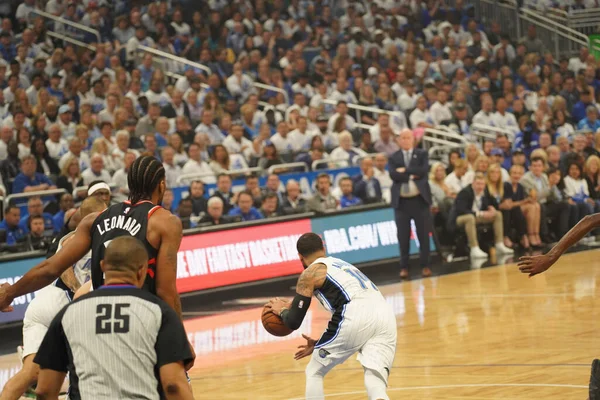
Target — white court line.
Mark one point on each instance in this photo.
(482, 385)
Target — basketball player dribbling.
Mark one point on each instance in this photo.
(362, 321)
(46, 304)
(140, 217)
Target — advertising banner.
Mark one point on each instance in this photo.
(10, 272)
(307, 181)
(363, 237)
(215, 259)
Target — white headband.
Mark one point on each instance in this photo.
(98, 186)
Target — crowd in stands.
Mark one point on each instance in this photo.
(72, 115)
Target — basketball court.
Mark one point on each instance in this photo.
(488, 333)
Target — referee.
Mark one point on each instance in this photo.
(117, 342)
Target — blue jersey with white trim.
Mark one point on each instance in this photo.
(344, 283)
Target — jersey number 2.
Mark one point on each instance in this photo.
(109, 322)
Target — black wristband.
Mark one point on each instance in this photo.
(293, 317)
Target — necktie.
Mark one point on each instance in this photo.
(405, 189)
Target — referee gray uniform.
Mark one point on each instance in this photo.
(113, 342)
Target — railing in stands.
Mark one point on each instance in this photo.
(172, 57)
(71, 40)
(182, 179)
(79, 189)
(41, 193)
(556, 37)
(273, 88)
(63, 21)
(359, 108)
(287, 166)
(175, 76)
(584, 21)
(490, 132)
(338, 164)
(245, 171)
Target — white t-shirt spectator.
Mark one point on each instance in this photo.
(418, 116)
(440, 112)
(407, 102)
(161, 98)
(199, 168)
(506, 121)
(89, 176)
(575, 65)
(239, 87)
(347, 96)
(84, 160)
(283, 145)
(56, 150)
(457, 184)
(235, 147)
(484, 118)
(299, 141)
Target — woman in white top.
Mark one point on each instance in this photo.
(420, 117)
(346, 151)
(563, 128)
(24, 140)
(100, 147)
(223, 162)
(176, 143)
(443, 197)
(576, 188)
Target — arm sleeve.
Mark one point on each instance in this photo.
(293, 317)
(54, 352)
(171, 343)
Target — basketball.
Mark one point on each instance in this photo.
(273, 323)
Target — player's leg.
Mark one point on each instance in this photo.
(376, 385)
(377, 354)
(23, 380)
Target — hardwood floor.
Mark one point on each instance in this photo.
(482, 334)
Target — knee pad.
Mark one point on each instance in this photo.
(375, 384)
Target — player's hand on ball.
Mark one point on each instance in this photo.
(5, 300)
(305, 350)
(534, 265)
(277, 305)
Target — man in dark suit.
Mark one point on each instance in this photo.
(366, 186)
(292, 202)
(411, 198)
(473, 206)
(224, 192)
(176, 107)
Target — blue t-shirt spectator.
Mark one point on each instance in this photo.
(586, 123)
(252, 215)
(578, 112)
(58, 221)
(22, 181)
(10, 224)
(349, 201)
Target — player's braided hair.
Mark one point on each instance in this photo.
(144, 175)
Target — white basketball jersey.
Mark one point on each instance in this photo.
(343, 284)
(82, 268)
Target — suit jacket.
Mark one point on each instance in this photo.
(288, 209)
(169, 111)
(319, 204)
(227, 204)
(360, 190)
(529, 182)
(419, 166)
(463, 204)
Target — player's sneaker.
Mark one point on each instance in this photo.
(595, 381)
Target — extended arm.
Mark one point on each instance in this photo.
(48, 270)
(166, 261)
(311, 279)
(534, 265)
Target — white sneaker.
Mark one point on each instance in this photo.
(502, 249)
(476, 252)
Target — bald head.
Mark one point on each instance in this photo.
(125, 261)
(406, 139)
(90, 205)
